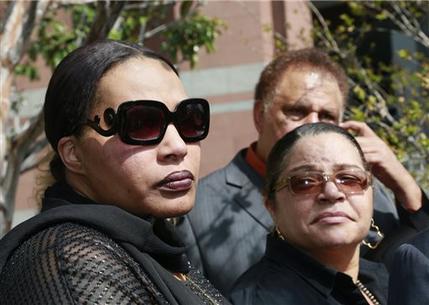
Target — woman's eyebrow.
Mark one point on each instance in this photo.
(310, 167)
(346, 166)
(306, 167)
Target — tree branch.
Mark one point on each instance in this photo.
(332, 44)
(106, 16)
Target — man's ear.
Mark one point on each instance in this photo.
(68, 153)
(258, 115)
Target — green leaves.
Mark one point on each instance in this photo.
(67, 24)
(404, 54)
(27, 69)
(55, 39)
(360, 92)
(392, 98)
(185, 37)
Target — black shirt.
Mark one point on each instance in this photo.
(286, 275)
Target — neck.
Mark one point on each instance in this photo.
(344, 259)
(260, 152)
(80, 186)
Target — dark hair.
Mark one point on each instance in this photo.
(279, 152)
(304, 58)
(73, 86)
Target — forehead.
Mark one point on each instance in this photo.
(323, 152)
(139, 79)
(307, 86)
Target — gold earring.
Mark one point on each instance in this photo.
(380, 236)
(279, 234)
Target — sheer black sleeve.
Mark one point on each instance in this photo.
(74, 264)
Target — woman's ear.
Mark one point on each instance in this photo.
(258, 113)
(68, 152)
(269, 205)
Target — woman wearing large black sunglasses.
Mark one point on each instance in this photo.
(319, 194)
(126, 141)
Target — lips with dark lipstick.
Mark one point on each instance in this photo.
(332, 218)
(177, 181)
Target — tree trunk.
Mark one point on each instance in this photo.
(16, 28)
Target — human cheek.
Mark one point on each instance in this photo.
(282, 125)
(143, 164)
(362, 208)
(194, 155)
(292, 213)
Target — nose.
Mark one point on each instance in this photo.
(312, 117)
(172, 148)
(331, 193)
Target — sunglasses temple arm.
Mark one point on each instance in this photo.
(95, 124)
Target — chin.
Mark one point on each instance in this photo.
(338, 241)
(174, 208)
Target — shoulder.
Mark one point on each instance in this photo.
(413, 266)
(70, 263)
(265, 283)
(421, 242)
(216, 178)
(230, 178)
(220, 175)
(407, 257)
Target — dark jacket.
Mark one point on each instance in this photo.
(409, 281)
(288, 276)
(81, 252)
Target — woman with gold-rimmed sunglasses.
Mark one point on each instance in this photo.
(319, 194)
(126, 142)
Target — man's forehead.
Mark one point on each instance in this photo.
(305, 78)
(306, 87)
(313, 79)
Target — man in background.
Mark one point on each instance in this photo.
(227, 228)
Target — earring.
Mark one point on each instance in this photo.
(278, 233)
(377, 239)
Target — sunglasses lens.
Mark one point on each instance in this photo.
(352, 181)
(192, 121)
(308, 183)
(144, 122)
(348, 181)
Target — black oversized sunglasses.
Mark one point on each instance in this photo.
(144, 122)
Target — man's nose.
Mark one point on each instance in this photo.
(312, 117)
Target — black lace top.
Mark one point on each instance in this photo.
(73, 263)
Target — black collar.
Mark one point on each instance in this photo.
(324, 279)
(62, 204)
(151, 243)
